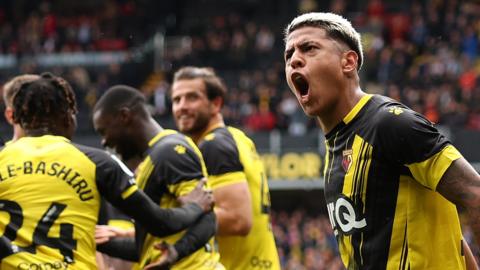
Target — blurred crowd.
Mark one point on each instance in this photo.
(423, 53)
(427, 57)
(305, 242)
(45, 27)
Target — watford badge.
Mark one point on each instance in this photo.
(347, 159)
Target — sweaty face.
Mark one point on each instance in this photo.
(191, 107)
(313, 69)
(114, 134)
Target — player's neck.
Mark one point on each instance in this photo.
(215, 122)
(331, 119)
(42, 131)
(17, 132)
(149, 130)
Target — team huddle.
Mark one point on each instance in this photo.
(53, 189)
(198, 198)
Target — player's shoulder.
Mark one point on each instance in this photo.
(105, 163)
(389, 114)
(221, 152)
(219, 140)
(92, 152)
(395, 125)
(99, 157)
(171, 144)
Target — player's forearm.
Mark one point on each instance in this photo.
(474, 221)
(233, 222)
(470, 261)
(157, 221)
(196, 236)
(123, 248)
(460, 184)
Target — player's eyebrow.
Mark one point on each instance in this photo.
(288, 53)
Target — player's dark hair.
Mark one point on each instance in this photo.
(214, 85)
(335, 26)
(120, 96)
(43, 102)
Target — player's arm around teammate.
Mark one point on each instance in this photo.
(171, 168)
(233, 209)
(45, 109)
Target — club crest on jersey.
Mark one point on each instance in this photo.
(347, 159)
(180, 149)
(396, 110)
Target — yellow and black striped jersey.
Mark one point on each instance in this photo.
(172, 168)
(231, 157)
(49, 201)
(382, 167)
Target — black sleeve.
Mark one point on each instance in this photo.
(123, 248)
(113, 178)
(220, 154)
(176, 160)
(103, 213)
(157, 221)
(115, 182)
(197, 236)
(408, 136)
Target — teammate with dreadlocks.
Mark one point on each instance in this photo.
(52, 109)
(50, 188)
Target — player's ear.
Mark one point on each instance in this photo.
(217, 104)
(349, 61)
(71, 121)
(125, 114)
(9, 115)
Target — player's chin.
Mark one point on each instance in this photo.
(184, 127)
(309, 111)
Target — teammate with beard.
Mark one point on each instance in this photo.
(236, 173)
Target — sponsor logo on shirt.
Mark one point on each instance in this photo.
(343, 216)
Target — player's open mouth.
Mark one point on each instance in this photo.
(301, 84)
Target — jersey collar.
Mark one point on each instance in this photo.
(349, 117)
(218, 125)
(160, 135)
